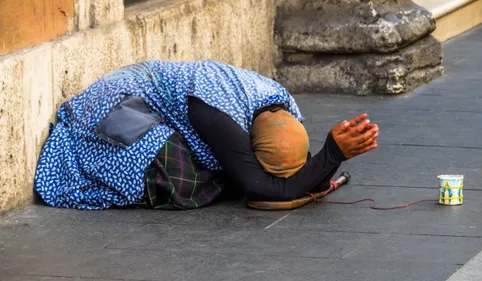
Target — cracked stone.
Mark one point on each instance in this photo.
(357, 26)
(363, 74)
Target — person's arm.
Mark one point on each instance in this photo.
(231, 146)
(318, 170)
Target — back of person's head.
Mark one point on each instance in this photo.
(280, 142)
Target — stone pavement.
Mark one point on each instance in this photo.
(433, 131)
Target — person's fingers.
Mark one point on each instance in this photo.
(370, 140)
(359, 129)
(367, 135)
(369, 127)
(368, 148)
(363, 125)
(358, 119)
(340, 128)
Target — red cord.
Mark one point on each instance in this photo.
(373, 203)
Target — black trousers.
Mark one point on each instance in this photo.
(231, 146)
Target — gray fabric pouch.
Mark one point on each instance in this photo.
(127, 122)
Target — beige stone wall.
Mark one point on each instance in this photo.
(34, 82)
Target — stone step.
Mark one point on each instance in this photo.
(363, 74)
(337, 26)
(453, 17)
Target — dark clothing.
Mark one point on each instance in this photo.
(174, 180)
(231, 146)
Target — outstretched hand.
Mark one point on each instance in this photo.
(356, 136)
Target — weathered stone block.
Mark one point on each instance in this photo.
(14, 189)
(363, 74)
(351, 26)
(93, 13)
(81, 59)
(38, 109)
(182, 30)
(235, 32)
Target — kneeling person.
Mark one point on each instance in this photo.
(169, 134)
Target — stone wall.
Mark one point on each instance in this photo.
(360, 47)
(35, 81)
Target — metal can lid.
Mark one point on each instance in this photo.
(451, 177)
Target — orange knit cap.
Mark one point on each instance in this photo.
(280, 142)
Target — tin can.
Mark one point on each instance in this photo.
(451, 190)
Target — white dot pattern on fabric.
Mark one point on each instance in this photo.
(78, 169)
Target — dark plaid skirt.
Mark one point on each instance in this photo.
(174, 180)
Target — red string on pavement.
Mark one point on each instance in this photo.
(374, 206)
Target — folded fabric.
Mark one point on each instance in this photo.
(174, 180)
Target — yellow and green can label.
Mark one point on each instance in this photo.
(451, 190)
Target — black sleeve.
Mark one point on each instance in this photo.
(232, 148)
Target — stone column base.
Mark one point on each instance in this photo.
(359, 47)
(363, 74)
